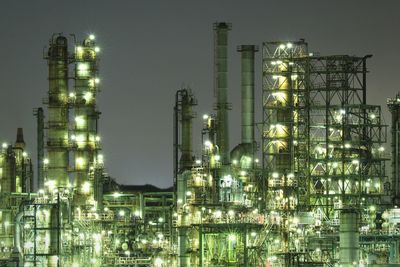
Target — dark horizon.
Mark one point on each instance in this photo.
(150, 49)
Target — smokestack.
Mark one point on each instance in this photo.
(40, 146)
(20, 143)
(221, 87)
(247, 56)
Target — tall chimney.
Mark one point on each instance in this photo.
(20, 143)
(40, 146)
(221, 87)
(247, 61)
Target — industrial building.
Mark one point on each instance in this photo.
(306, 186)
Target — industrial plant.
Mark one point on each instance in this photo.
(311, 184)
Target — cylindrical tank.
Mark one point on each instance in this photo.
(349, 238)
(221, 30)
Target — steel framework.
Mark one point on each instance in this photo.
(323, 153)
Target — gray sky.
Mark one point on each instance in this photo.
(151, 48)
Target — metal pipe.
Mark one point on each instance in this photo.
(221, 87)
(54, 246)
(247, 63)
(183, 258)
(182, 240)
(98, 187)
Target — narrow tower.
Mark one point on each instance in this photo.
(84, 136)
(245, 150)
(57, 124)
(394, 108)
(221, 30)
(40, 146)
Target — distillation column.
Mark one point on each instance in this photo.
(221, 88)
(185, 101)
(57, 135)
(23, 175)
(85, 121)
(394, 108)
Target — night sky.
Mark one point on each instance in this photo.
(150, 49)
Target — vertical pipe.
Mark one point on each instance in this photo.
(200, 246)
(395, 155)
(98, 187)
(54, 235)
(30, 177)
(40, 146)
(17, 233)
(182, 253)
(183, 257)
(221, 88)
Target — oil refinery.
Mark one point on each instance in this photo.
(311, 184)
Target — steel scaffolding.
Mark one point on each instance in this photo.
(323, 152)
